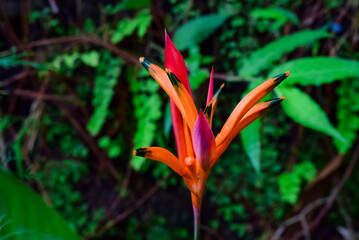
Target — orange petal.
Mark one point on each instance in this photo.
(165, 156)
(248, 102)
(180, 97)
(254, 113)
(184, 98)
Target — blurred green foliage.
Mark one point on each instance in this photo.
(107, 74)
(68, 128)
(290, 182)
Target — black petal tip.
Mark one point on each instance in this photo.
(274, 102)
(141, 152)
(279, 78)
(173, 78)
(145, 62)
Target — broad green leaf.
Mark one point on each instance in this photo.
(264, 57)
(318, 70)
(28, 215)
(197, 30)
(305, 111)
(250, 137)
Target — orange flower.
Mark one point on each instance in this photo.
(197, 148)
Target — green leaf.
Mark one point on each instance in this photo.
(106, 78)
(90, 58)
(89, 25)
(124, 28)
(14, 60)
(272, 19)
(347, 113)
(143, 19)
(264, 57)
(70, 59)
(114, 151)
(197, 30)
(147, 110)
(305, 111)
(29, 216)
(275, 13)
(104, 142)
(250, 137)
(5, 122)
(289, 185)
(127, 5)
(289, 15)
(306, 170)
(318, 70)
(290, 182)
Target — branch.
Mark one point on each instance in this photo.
(298, 218)
(333, 195)
(129, 58)
(111, 223)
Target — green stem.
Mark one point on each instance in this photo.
(196, 204)
(197, 222)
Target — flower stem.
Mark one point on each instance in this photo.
(197, 223)
(196, 203)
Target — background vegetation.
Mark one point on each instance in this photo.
(75, 103)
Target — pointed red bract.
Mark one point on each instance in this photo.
(210, 88)
(204, 143)
(175, 62)
(178, 131)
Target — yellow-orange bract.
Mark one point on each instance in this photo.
(197, 147)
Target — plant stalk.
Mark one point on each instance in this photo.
(196, 204)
